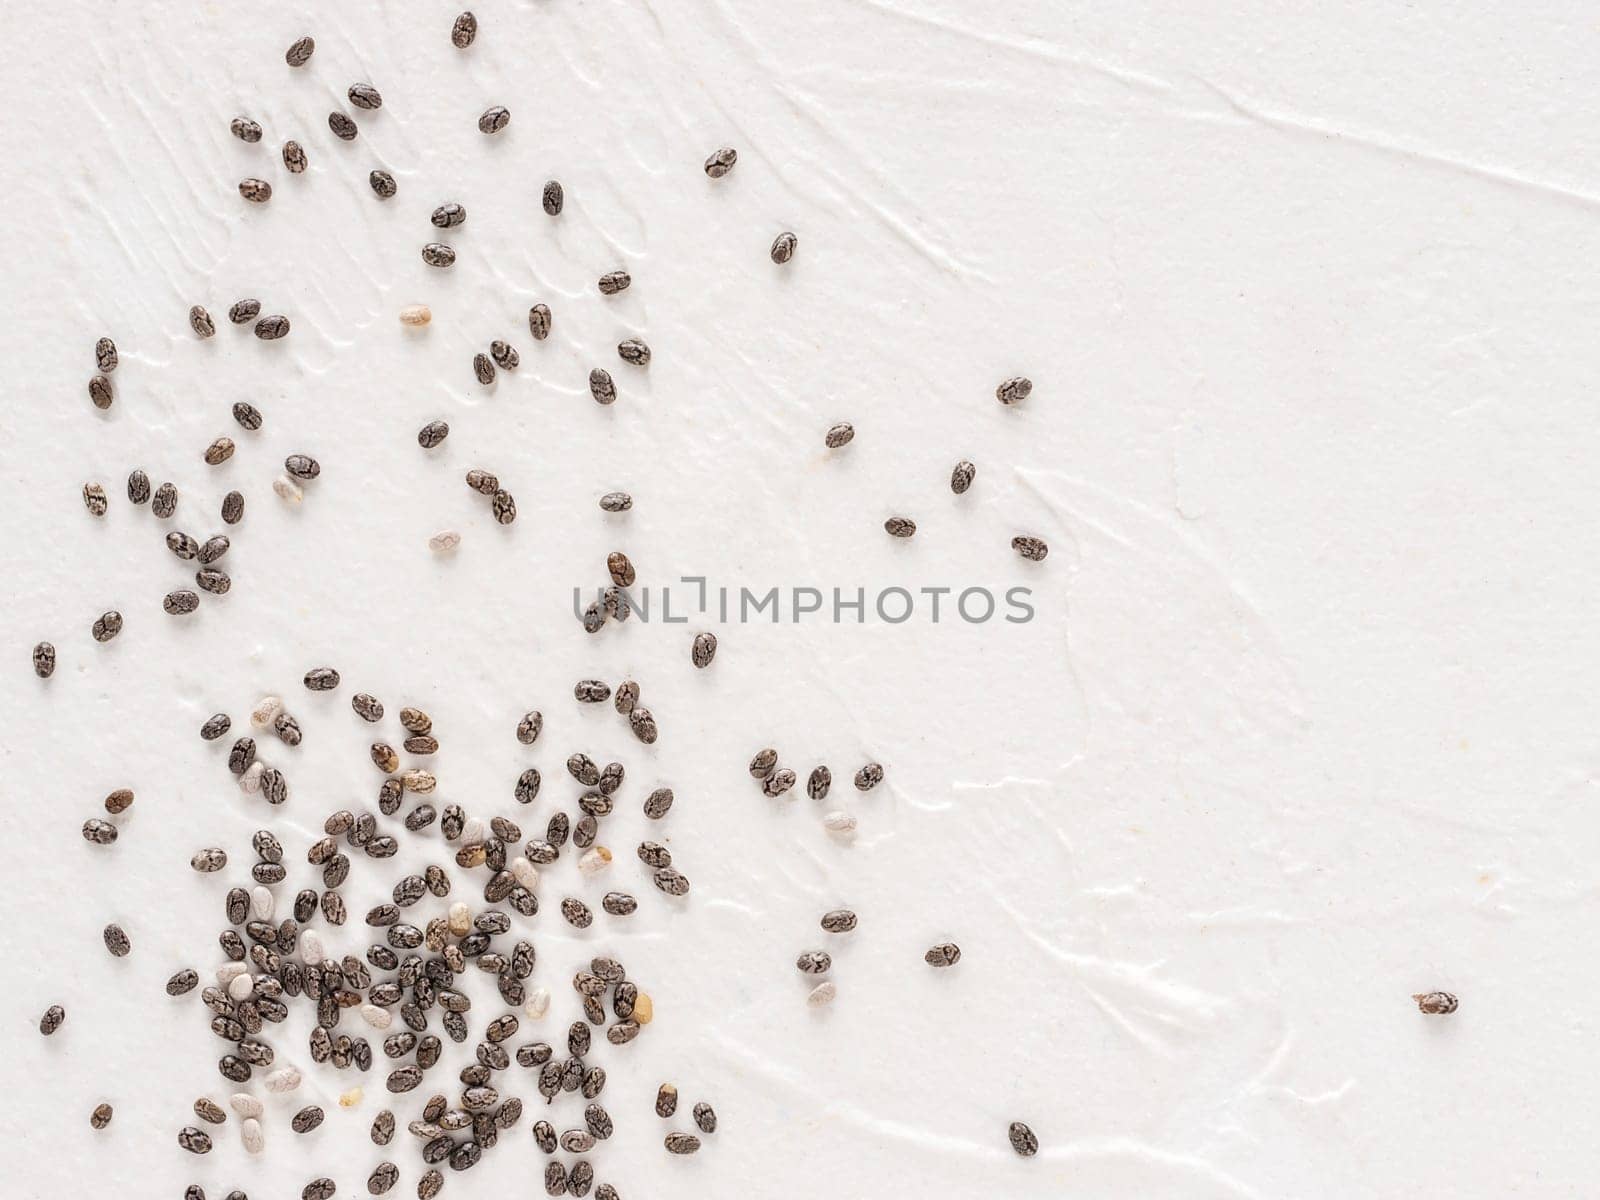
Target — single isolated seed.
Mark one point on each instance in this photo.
(294, 157)
(529, 728)
(444, 541)
(634, 351)
(839, 920)
(94, 499)
(343, 126)
(705, 1117)
(1436, 1004)
(839, 435)
(219, 452)
(721, 162)
(620, 567)
(52, 1019)
(432, 434)
(437, 254)
(613, 282)
(100, 392)
(105, 355)
(448, 216)
(270, 329)
(106, 626)
(494, 120)
(1014, 390)
(961, 477)
(505, 355)
(601, 387)
(615, 502)
(682, 1143)
(116, 941)
(1031, 548)
(463, 31)
(302, 466)
(180, 602)
(245, 130)
(554, 197)
(257, 191)
(200, 321)
(539, 321)
(504, 507)
(233, 508)
(869, 777)
(703, 650)
(100, 1117)
(364, 95)
(382, 184)
(818, 784)
(138, 487)
(242, 312)
(814, 962)
(592, 691)
(248, 415)
(44, 660)
(321, 679)
(900, 527)
(299, 54)
(783, 247)
(416, 315)
(945, 954)
(164, 501)
(1022, 1139)
(483, 369)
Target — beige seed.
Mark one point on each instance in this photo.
(242, 987)
(228, 972)
(250, 780)
(416, 314)
(288, 490)
(266, 711)
(839, 822)
(594, 860)
(524, 872)
(460, 919)
(419, 781)
(261, 903)
(444, 541)
(284, 1079)
(538, 1002)
(378, 1018)
(351, 1098)
(822, 994)
(250, 1133)
(245, 1105)
(644, 1008)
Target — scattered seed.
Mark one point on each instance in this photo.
(416, 315)
(257, 191)
(613, 282)
(209, 860)
(494, 120)
(245, 130)
(504, 507)
(437, 254)
(194, 1140)
(1014, 390)
(100, 392)
(505, 355)
(164, 501)
(484, 483)
(94, 499)
(219, 451)
(307, 1119)
(100, 1117)
(683, 1143)
(539, 321)
(101, 833)
(839, 920)
(321, 679)
(215, 727)
(961, 477)
(643, 724)
(1022, 1139)
(705, 1117)
(1031, 548)
(601, 387)
(868, 777)
(44, 660)
(783, 247)
(444, 541)
(721, 162)
(945, 954)
(463, 31)
(288, 490)
(779, 782)
(138, 487)
(554, 197)
(299, 54)
(839, 435)
(180, 602)
(247, 415)
(814, 962)
(364, 95)
(900, 527)
(52, 1019)
(242, 312)
(483, 369)
(839, 822)
(1436, 1003)
(302, 466)
(529, 728)
(591, 691)
(106, 626)
(200, 321)
(294, 157)
(105, 355)
(344, 128)
(382, 184)
(633, 350)
(233, 508)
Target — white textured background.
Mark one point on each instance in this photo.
(1305, 724)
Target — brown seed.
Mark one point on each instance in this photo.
(219, 451)
(215, 726)
(900, 527)
(505, 355)
(432, 434)
(1436, 1003)
(577, 913)
(247, 415)
(164, 501)
(869, 777)
(321, 679)
(138, 487)
(364, 95)
(671, 881)
(383, 1128)
(839, 920)
(106, 626)
(463, 31)
(200, 321)
(961, 477)
(601, 387)
(429, 1185)
(105, 355)
(257, 191)
(294, 157)
(210, 579)
(368, 708)
(529, 728)
(621, 569)
(100, 392)
(194, 1140)
(233, 508)
(180, 602)
(415, 720)
(615, 502)
(52, 1019)
(100, 1117)
(437, 254)
(44, 660)
(299, 54)
(504, 507)
(270, 329)
(494, 120)
(658, 803)
(945, 954)
(210, 1111)
(627, 696)
(762, 764)
(94, 499)
(613, 282)
(783, 247)
(1031, 548)
(483, 482)
(343, 126)
(779, 782)
(633, 350)
(1022, 1139)
(448, 216)
(814, 962)
(307, 1119)
(554, 197)
(422, 744)
(705, 1117)
(643, 724)
(245, 130)
(721, 162)
(839, 435)
(539, 321)
(591, 691)
(242, 312)
(483, 368)
(1014, 390)
(818, 784)
(382, 184)
(703, 650)
(302, 466)
(683, 1143)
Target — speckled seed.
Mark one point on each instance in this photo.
(813, 962)
(242, 312)
(762, 764)
(483, 368)
(868, 777)
(643, 724)
(215, 726)
(382, 184)
(343, 126)
(193, 1140)
(945, 954)
(1436, 1004)
(682, 1143)
(219, 451)
(437, 254)
(504, 507)
(539, 321)
(591, 691)
(321, 679)
(820, 781)
(494, 120)
(180, 602)
(1014, 390)
(633, 350)
(245, 130)
(601, 387)
(302, 466)
(364, 95)
(383, 1128)
(233, 508)
(100, 392)
(613, 282)
(212, 858)
(619, 904)
(529, 728)
(1022, 1139)
(247, 415)
(961, 477)
(94, 499)
(671, 881)
(210, 1111)
(721, 162)
(505, 355)
(52, 1019)
(307, 1119)
(779, 782)
(257, 191)
(138, 487)
(430, 1184)
(101, 833)
(200, 321)
(839, 920)
(164, 501)
(416, 315)
(100, 1117)
(705, 1117)
(105, 355)
(703, 650)
(485, 483)
(554, 197)
(577, 913)
(900, 527)
(783, 247)
(384, 1176)
(463, 31)
(1031, 548)
(106, 626)
(294, 157)
(44, 660)
(658, 803)
(299, 54)
(839, 435)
